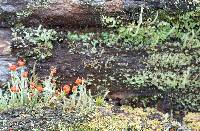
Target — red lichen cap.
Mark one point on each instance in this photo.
(32, 85)
(78, 81)
(14, 89)
(39, 88)
(25, 74)
(21, 63)
(66, 89)
(13, 67)
(74, 88)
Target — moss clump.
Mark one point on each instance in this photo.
(192, 120)
(148, 119)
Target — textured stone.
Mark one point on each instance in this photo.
(5, 41)
(5, 57)
(4, 62)
(71, 13)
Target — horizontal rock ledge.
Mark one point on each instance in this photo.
(71, 13)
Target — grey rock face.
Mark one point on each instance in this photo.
(5, 41)
(5, 57)
(5, 33)
(11, 6)
(8, 9)
(4, 62)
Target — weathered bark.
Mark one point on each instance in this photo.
(68, 13)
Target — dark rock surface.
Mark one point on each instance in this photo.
(170, 5)
(71, 13)
(106, 67)
(8, 9)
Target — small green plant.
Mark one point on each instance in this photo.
(24, 92)
(80, 101)
(141, 34)
(73, 36)
(99, 101)
(31, 6)
(39, 41)
(165, 81)
(169, 60)
(108, 38)
(86, 38)
(182, 28)
(30, 93)
(170, 84)
(111, 22)
(191, 40)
